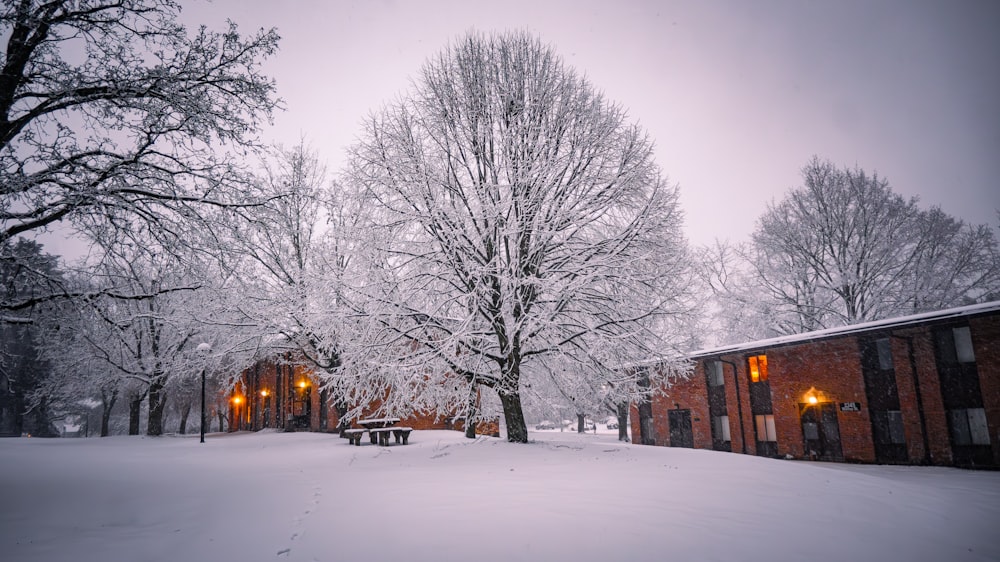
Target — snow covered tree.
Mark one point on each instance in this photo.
(518, 221)
(737, 306)
(289, 256)
(113, 116)
(109, 346)
(955, 263)
(844, 248)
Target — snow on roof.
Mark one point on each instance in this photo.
(853, 328)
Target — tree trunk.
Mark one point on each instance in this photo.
(517, 430)
(134, 407)
(343, 424)
(157, 401)
(108, 402)
(185, 411)
(470, 417)
(580, 428)
(221, 419)
(622, 421)
(324, 398)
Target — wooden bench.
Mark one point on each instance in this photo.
(381, 435)
(354, 435)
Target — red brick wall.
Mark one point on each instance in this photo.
(831, 369)
(986, 343)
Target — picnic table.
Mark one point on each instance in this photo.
(379, 430)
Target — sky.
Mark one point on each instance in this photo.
(444, 498)
(737, 96)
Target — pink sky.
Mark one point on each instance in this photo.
(737, 95)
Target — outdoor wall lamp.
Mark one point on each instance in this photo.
(203, 350)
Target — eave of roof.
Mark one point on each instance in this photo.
(875, 325)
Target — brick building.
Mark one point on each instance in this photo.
(284, 394)
(922, 389)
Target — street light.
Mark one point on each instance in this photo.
(203, 349)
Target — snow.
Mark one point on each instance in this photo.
(898, 322)
(565, 496)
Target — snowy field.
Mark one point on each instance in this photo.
(307, 496)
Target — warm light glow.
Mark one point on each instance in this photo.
(302, 384)
(813, 396)
(758, 368)
(236, 399)
(264, 393)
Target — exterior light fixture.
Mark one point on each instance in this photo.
(264, 393)
(813, 399)
(302, 384)
(236, 399)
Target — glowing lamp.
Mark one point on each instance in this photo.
(263, 393)
(813, 400)
(302, 384)
(236, 399)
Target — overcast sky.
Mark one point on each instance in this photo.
(737, 95)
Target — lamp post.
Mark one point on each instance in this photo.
(203, 350)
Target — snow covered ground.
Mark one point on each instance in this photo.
(307, 496)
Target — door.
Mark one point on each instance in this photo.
(680, 428)
(821, 431)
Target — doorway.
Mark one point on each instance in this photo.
(821, 431)
(680, 428)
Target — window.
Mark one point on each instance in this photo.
(765, 427)
(758, 368)
(968, 427)
(720, 428)
(963, 345)
(810, 430)
(895, 421)
(714, 371)
(884, 354)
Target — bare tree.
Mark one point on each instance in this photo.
(844, 248)
(955, 263)
(113, 116)
(738, 307)
(519, 219)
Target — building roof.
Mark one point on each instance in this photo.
(888, 323)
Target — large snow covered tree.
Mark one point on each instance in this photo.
(520, 222)
(844, 248)
(113, 115)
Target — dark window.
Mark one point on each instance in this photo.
(959, 376)
(887, 427)
(969, 427)
(896, 433)
(884, 350)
